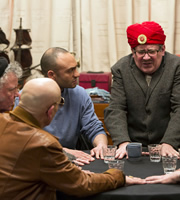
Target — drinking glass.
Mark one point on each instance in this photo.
(109, 153)
(154, 152)
(169, 164)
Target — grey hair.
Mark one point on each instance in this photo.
(14, 68)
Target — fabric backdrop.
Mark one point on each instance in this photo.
(94, 29)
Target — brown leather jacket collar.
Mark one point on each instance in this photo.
(24, 116)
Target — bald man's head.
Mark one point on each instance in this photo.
(38, 95)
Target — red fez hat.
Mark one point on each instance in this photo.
(145, 33)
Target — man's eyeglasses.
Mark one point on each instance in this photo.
(150, 52)
(62, 102)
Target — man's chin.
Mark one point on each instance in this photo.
(6, 109)
(148, 70)
(74, 84)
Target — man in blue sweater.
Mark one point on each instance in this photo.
(77, 116)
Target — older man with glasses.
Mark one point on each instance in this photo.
(145, 96)
(9, 74)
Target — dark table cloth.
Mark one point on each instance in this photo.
(141, 168)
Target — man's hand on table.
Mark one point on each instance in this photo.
(81, 157)
(130, 180)
(164, 179)
(100, 141)
(168, 150)
(98, 151)
(121, 151)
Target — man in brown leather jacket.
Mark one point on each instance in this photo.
(32, 163)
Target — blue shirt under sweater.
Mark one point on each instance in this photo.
(74, 118)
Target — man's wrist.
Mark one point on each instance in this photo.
(70, 156)
(177, 176)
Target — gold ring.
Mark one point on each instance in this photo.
(131, 177)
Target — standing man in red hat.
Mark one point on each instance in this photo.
(145, 95)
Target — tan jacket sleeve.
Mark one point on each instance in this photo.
(57, 171)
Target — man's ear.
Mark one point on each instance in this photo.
(132, 51)
(163, 50)
(51, 74)
(50, 113)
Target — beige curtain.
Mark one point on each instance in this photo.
(94, 29)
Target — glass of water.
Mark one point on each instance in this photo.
(117, 164)
(169, 164)
(154, 152)
(109, 153)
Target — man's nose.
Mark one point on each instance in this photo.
(146, 56)
(16, 93)
(76, 73)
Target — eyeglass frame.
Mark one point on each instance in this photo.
(146, 52)
(62, 102)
